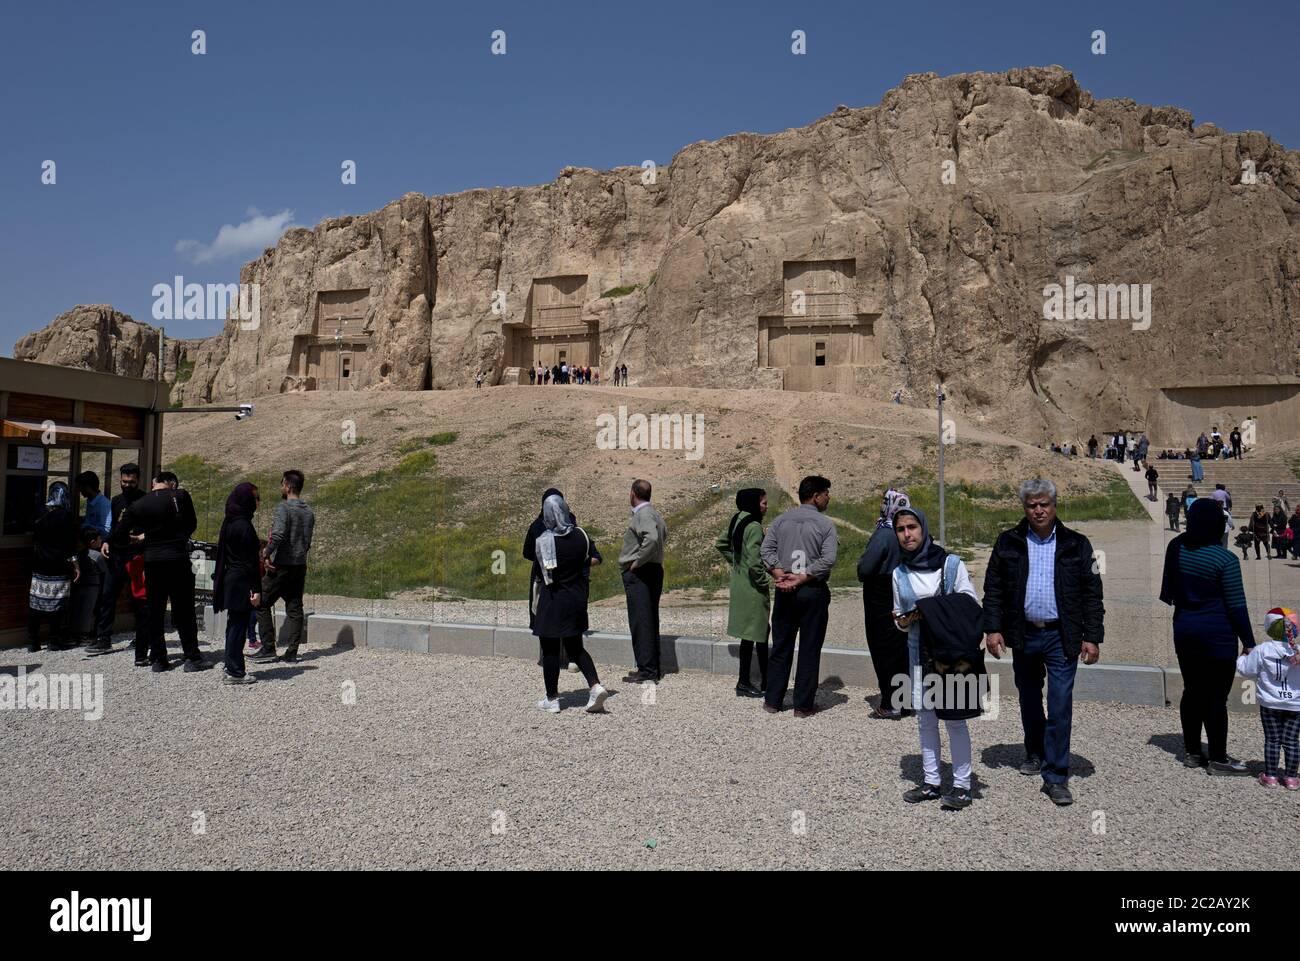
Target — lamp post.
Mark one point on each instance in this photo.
(338, 359)
(943, 541)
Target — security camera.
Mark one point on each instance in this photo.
(245, 410)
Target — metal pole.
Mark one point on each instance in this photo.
(338, 359)
(162, 338)
(943, 541)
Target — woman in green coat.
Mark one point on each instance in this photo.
(751, 601)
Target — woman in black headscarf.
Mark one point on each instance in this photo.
(750, 606)
(235, 582)
(1202, 581)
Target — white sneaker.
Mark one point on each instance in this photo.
(597, 699)
(549, 706)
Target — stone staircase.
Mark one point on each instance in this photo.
(1249, 481)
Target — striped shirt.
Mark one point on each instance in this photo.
(1210, 603)
(1040, 590)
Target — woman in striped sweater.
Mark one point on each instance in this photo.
(1202, 580)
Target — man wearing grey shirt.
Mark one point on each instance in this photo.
(799, 550)
(642, 563)
(285, 555)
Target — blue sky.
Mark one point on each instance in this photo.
(158, 149)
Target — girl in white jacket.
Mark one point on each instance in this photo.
(924, 570)
(1274, 666)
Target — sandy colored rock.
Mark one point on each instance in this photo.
(1044, 182)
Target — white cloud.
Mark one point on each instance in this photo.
(254, 235)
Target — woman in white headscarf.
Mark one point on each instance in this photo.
(563, 554)
(54, 568)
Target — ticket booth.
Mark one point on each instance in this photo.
(55, 423)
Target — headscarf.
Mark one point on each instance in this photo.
(890, 504)
(748, 511)
(242, 502)
(59, 496)
(1205, 526)
(240, 505)
(929, 556)
(559, 522)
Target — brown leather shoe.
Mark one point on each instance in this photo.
(808, 713)
(770, 709)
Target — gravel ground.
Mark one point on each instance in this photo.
(437, 750)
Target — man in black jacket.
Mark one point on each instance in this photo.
(105, 613)
(1042, 598)
(165, 519)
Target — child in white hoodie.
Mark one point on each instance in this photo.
(1274, 666)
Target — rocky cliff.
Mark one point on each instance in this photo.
(97, 337)
(957, 200)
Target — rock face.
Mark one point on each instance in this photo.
(97, 337)
(946, 210)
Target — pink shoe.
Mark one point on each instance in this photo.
(1267, 780)
(1292, 783)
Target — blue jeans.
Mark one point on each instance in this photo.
(1042, 654)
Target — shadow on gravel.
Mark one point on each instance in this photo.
(312, 655)
(829, 694)
(911, 769)
(13, 671)
(1013, 755)
(1171, 744)
(577, 700)
(282, 673)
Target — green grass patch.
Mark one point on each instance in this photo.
(620, 291)
(419, 443)
(411, 526)
(184, 370)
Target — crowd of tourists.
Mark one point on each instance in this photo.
(563, 373)
(141, 542)
(928, 629)
(926, 625)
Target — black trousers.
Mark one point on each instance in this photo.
(58, 621)
(888, 647)
(643, 588)
(238, 621)
(283, 583)
(576, 654)
(169, 581)
(802, 612)
(106, 612)
(1207, 682)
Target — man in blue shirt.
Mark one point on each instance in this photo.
(99, 511)
(1043, 599)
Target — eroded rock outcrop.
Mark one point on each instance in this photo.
(97, 337)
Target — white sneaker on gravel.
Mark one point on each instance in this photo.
(549, 706)
(597, 699)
